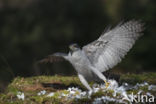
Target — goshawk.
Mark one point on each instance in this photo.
(101, 54)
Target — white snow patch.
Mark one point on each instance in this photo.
(152, 87)
(50, 94)
(112, 84)
(119, 92)
(140, 85)
(20, 95)
(41, 93)
(76, 93)
(105, 99)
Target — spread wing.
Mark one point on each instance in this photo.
(53, 58)
(112, 46)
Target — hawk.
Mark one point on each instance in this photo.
(102, 54)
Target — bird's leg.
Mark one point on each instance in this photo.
(84, 82)
(101, 76)
(106, 83)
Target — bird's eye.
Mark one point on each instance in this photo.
(76, 46)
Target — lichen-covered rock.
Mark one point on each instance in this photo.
(68, 90)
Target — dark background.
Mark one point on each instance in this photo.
(33, 29)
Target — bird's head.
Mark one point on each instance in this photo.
(74, 47)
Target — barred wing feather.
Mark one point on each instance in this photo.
(112, 46)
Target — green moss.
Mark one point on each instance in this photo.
(97, 94)
(32, 85)
(139, 78)
(82, 101)
(37, 99)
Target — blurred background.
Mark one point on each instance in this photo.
(32, 29)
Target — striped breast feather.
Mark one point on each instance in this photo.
(116, 43)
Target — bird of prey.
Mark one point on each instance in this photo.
(102, 54)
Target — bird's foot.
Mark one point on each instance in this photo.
(106, 83)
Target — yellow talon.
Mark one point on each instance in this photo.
(106, 83)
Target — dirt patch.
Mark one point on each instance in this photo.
(37, 87)
(60, 86)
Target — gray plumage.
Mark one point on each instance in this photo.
(103, 53)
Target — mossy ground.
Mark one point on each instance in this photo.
(32, 85)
